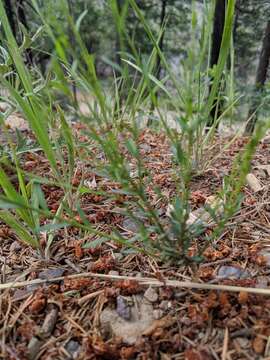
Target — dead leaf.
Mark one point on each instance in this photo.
(128, 287)
(258, 345)
(76, 284)
(27, 329)
(37, 305)
(127, 353)
(105, 263)
(192, 354)
(243, 297)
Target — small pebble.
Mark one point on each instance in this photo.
(243, 342)
(113, 273)
(262, 282)
(15, 246)
(164, 305)
(72, 348)
(232, 272)
(118, 256)
(151, 295)
(123, 308)
(130, 225)
(51, 273)
(157, 314)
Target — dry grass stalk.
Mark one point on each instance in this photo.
(142, 281)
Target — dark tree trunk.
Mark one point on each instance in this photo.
(73, 43)
(23, 21)
(118, 44)
(219, 21)
(121, 73)
(21, 13)
(236, 24)
(261, 76)
(161, 43)
(10, 15)
(161, 46)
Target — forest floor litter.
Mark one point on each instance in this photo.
(100, 303)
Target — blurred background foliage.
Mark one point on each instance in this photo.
(100, 35)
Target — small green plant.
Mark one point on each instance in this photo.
(113, 123)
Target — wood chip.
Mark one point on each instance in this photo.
(253, 182)
(165, 322)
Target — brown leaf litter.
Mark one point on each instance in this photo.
(60, 313)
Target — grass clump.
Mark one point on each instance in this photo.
(112, 126)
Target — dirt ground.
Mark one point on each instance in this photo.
(101, 303)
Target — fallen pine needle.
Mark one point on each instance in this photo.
(225, 345)
(89, 296)
(140, 280)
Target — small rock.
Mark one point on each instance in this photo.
(32, 287)
(20, 294)
(265, 169)
(90, 184)
(14, 121)
(266, 140)
(130, 225)
(33, 347)
(123, 307)
(262, 282)
(15, 246)
(118, 256)
(157, 313)
(265, 253)
(164, 305)
(151, 295)
(232, 272)
(145, 147)
(130, 330)
(256, 235)
(5, 269)
(113, 273)
(253, 182)
(73, 348)
(243, 342)
(179, 295)
(261, 174)
(51, 273)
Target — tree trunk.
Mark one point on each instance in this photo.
(23, 21)
(121, 74)
(10, 15)
(161, 46)
(261, 76)
(73, 44)
(161, 43)
(236, 25)
(118, 40)
(219, 21)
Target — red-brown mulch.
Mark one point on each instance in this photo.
(61, 320)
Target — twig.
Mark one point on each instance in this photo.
(225, 344)
(259, 226)
(141, 281)
(89, 296)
